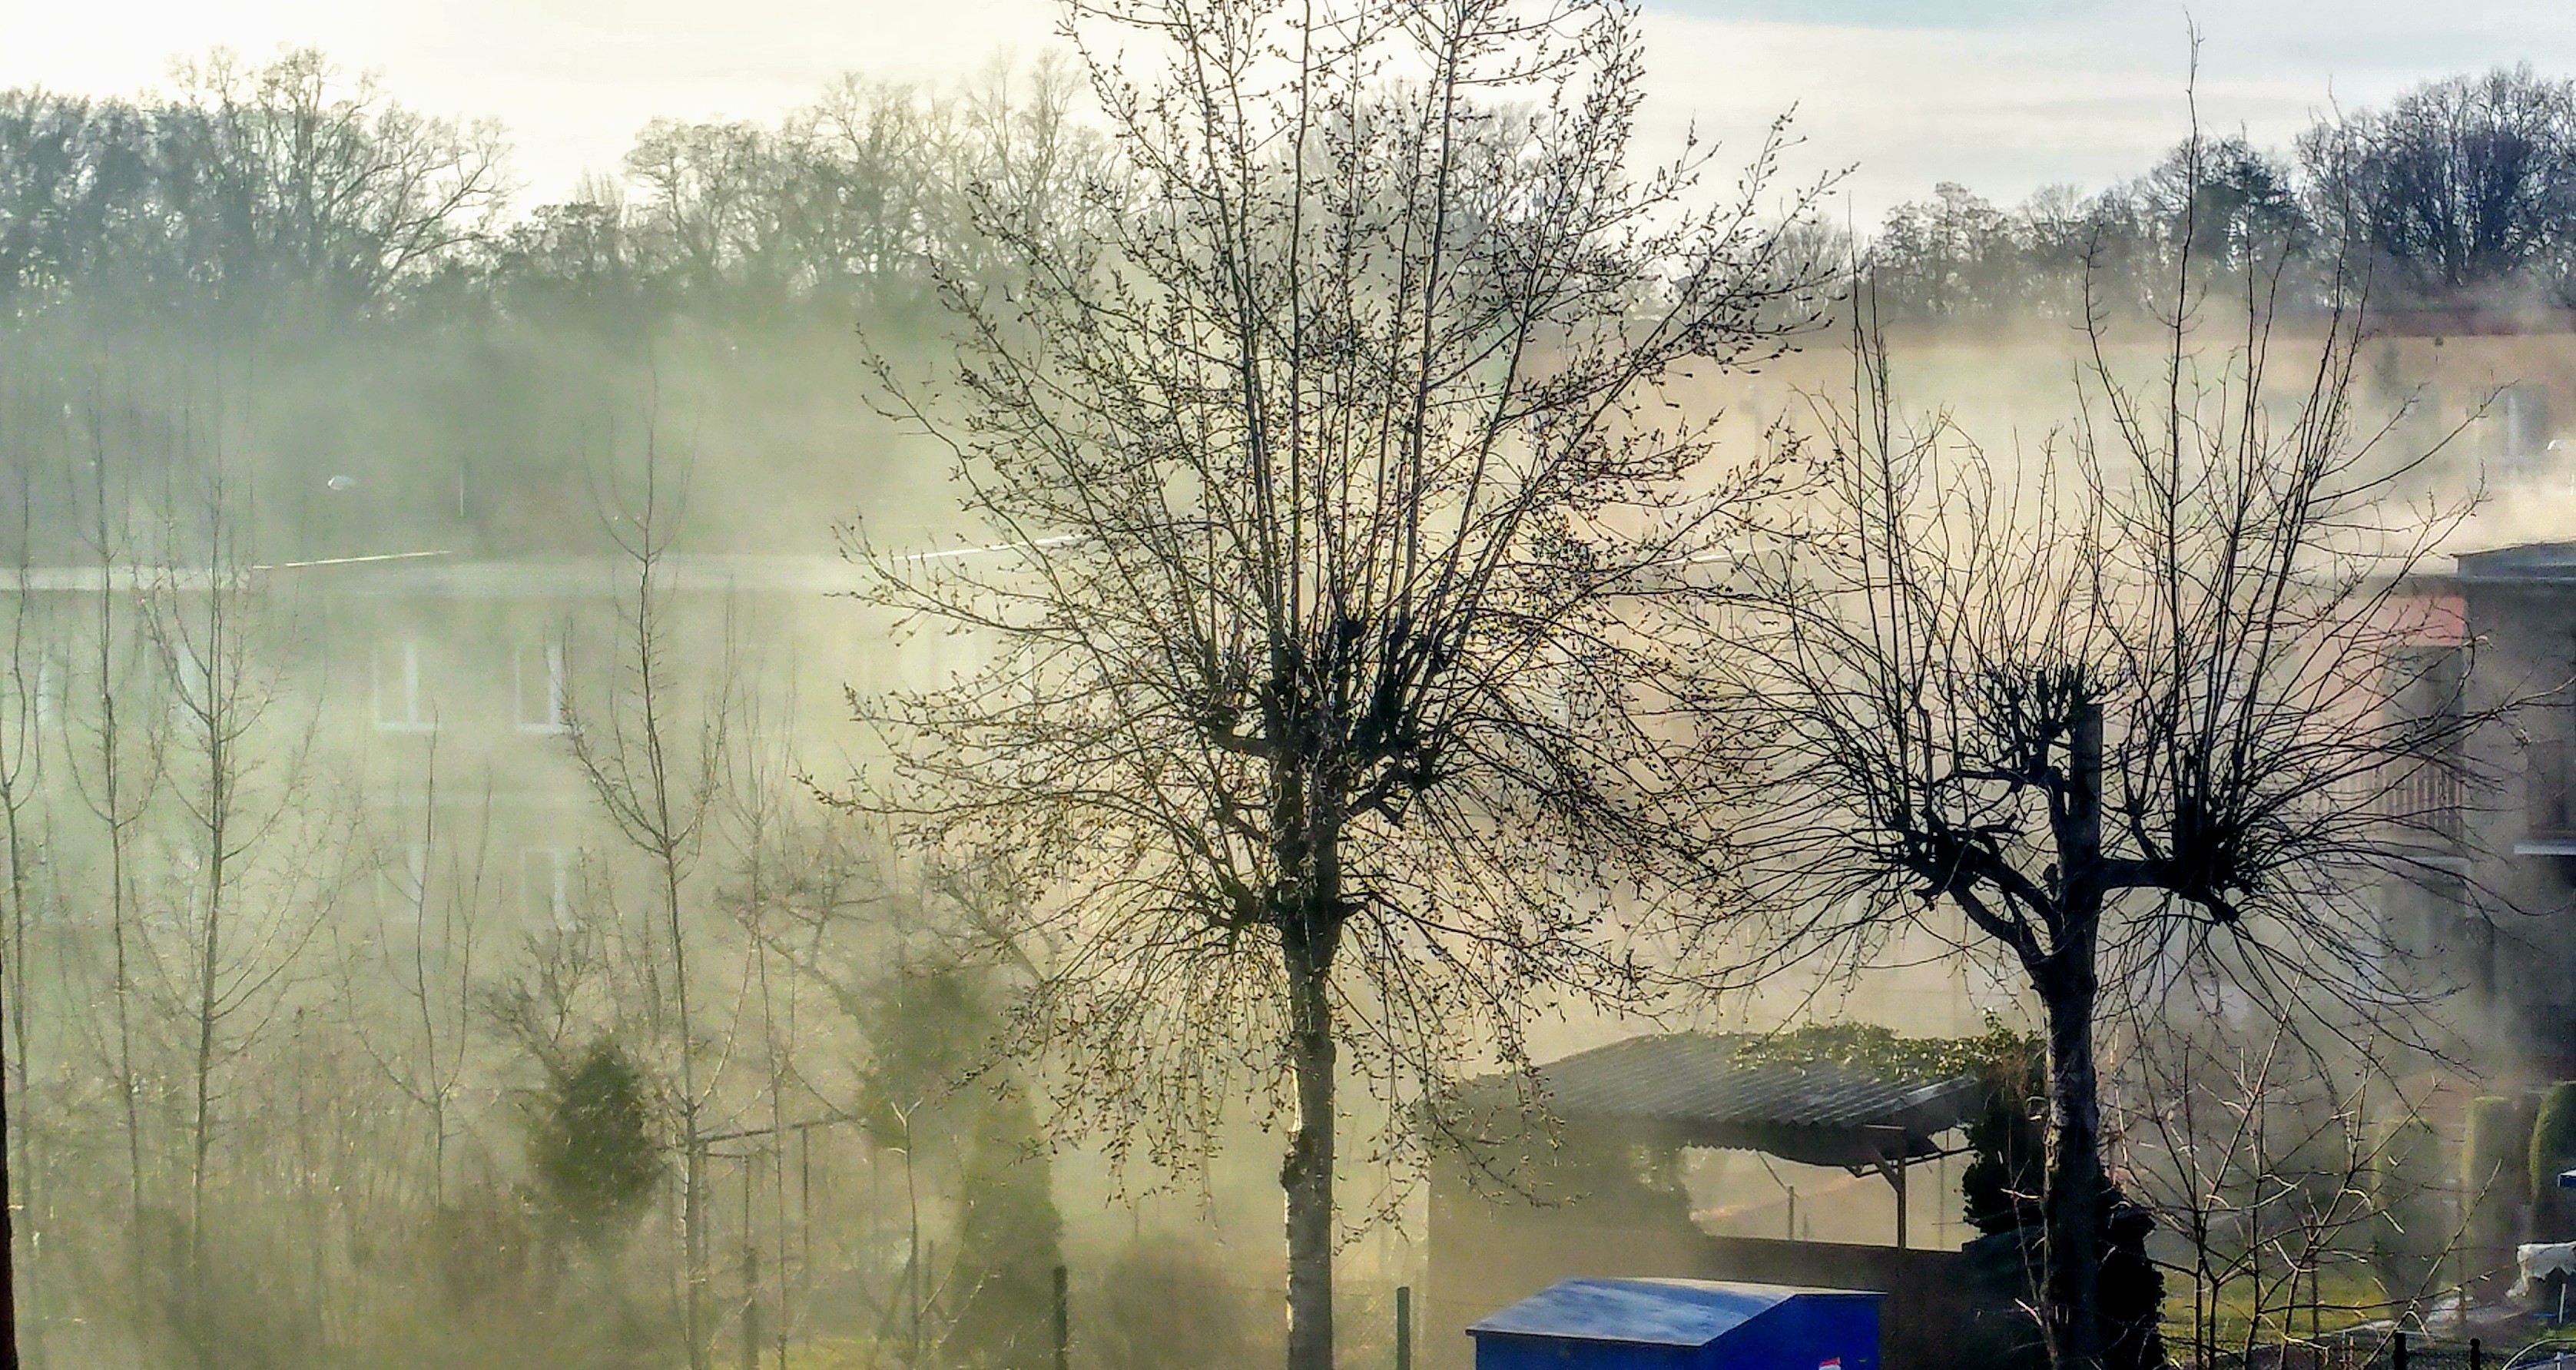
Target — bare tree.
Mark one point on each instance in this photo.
(654, 756)
(285, 175)
(2144, 697)
(2464, 181)
(2279, 1160)
(1340, 500)
(116, 761)
(21, 781)
(252, 842)
(429, 929)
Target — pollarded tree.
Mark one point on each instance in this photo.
(1342, 502)
(2155, 702)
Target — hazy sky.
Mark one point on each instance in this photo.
(2006, 95)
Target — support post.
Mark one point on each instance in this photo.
(750, 1271)
(1063, 1322)
(1896, 1176)
(1891, 1146)
(1404, 1327)
(750, 1304)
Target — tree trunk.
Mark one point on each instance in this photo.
(2071, 1298)
(1307, 1173)
(693, 1209)
(8, 1253)
(2069, 985)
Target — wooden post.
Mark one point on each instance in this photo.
(1896, 1176)
(1404, 1327)
(1063, 1321)
(1891, 1145)
(750, 1268)
(750, 1301)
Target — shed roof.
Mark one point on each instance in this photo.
(1697, 1087)
(1689, 1313)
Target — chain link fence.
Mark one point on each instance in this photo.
(2379, 1348)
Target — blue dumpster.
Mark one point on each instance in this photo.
(1681, 1325)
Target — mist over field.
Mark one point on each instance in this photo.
(1233, 684)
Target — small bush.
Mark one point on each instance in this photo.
(592, 1147)
(2495, 1178)
(2553, 1149)
(1169, 1302)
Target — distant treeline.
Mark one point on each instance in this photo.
(283, 191)
(339, 293)
(404, 358)
(2461, 193)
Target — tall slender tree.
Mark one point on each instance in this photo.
(654, 753)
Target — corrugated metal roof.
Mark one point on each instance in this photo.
(1698, 1090)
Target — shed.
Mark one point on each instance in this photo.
(1710, 1090)
(1589, 1324)
(1706, 1089)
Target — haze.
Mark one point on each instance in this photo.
(1335, 684)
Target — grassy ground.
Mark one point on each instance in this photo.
(2346, 1296)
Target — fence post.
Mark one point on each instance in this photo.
(750, 1303)
(2397, 1351)
(1063, 1321)
(2477, 1355)
(1404, 1327)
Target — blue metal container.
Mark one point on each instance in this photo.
(1681, 1325)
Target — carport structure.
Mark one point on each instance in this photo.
(1563, 1171)
(1707, 1090)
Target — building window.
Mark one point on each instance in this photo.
(541, 688)
(2521, 417)
(402, 704)
(545, 887)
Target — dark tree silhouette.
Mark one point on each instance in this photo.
(2144, 699)
(2462, 181)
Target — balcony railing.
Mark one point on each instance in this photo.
(2428, 799)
